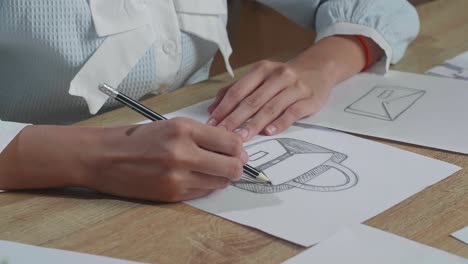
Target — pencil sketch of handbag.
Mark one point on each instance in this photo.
(291, 163)
(385, 102)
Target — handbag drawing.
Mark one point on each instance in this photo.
(292, 163)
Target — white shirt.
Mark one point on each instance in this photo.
(129, 35)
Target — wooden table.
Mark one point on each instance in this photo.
(177, 233)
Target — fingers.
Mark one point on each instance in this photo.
(293, 113)
(205, 149)
(218, 153)
(271, 111)
(209, 182)
(239, 91)
(217, 140)
(174, 186)
(218, 99)
(284, 95)
(207, 162)
(255, 101)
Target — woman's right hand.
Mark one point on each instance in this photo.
(172, 160)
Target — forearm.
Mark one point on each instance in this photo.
(338, 57)
(48, 157)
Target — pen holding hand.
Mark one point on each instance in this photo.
(249, 171)
(171, 160)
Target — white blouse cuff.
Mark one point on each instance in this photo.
(9, 130)
(342, 28)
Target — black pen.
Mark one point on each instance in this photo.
(153, 116)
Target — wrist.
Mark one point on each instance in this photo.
(312, 63)
(85, 148)
(94, 155)
(338, 57)
(49, 157)
(72, 151)
(106, 151)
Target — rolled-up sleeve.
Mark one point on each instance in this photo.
(8, 131)
(392, 24)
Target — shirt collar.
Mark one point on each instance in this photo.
(117, 16)
(131, 27)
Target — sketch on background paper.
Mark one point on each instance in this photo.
(449, 70)
(292, 163)
(385, 102)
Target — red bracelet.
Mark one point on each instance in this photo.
(367, 51)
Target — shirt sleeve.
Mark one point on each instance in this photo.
(8, 131)
(391, 24)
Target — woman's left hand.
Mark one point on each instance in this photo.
(273, 96)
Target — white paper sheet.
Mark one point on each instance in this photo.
(366, 245)
(197, 111)
(357, 179)
(462, 235)
(454, 68)
(8, 131)
(15, 253)
(418, 109)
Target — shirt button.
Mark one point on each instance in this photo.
(169, 47)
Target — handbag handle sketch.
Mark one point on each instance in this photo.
(350, 176)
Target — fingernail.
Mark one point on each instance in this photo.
(210, 110)
(244, 157)
(244, 133)
(271, 130)
(212, 122)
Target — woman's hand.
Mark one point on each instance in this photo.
(173, 160)
(274, 95)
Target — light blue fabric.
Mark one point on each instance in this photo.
(44, 43)
(395, 20)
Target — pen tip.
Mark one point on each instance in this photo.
(263, 178)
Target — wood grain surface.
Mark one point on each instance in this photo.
(84, 221)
